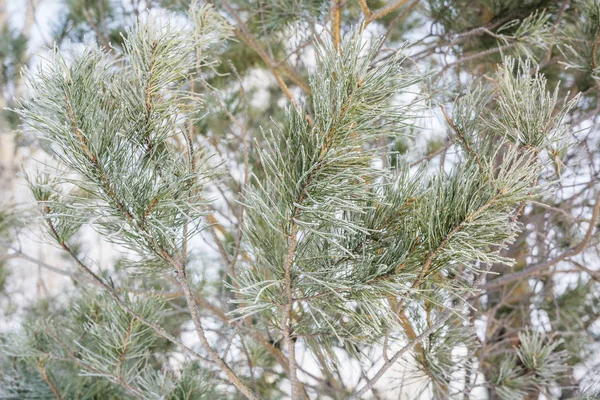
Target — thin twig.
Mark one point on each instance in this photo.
(392, 25)
(244, 127)
(46, 379)
(383, 11)
(244, 33)
(20, 254)
(539, 267)
(336, 23)
(365, 8)
(559, 18)
(392, 360)
(432, 155)
(99, 34)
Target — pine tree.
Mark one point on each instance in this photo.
(288, 220)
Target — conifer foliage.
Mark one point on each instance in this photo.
(294, 249)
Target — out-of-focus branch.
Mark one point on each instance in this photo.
(400, 17)
(100, 35)
(246, 36)
(20, 254)
(539, 267)
(365, 8)
(383, 11)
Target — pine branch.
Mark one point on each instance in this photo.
(101, 284)
(71, 357)
(286, 329)
(46, 378)
(334, 247)
(470, 218)
(464, 142)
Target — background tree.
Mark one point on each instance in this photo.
(302, 205)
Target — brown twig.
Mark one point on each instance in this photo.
(559, 18)
(46, 379)
(365, 8)
(385, 10)
(244, 34)
(463, 140)
(336, 23)
(432, 155)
